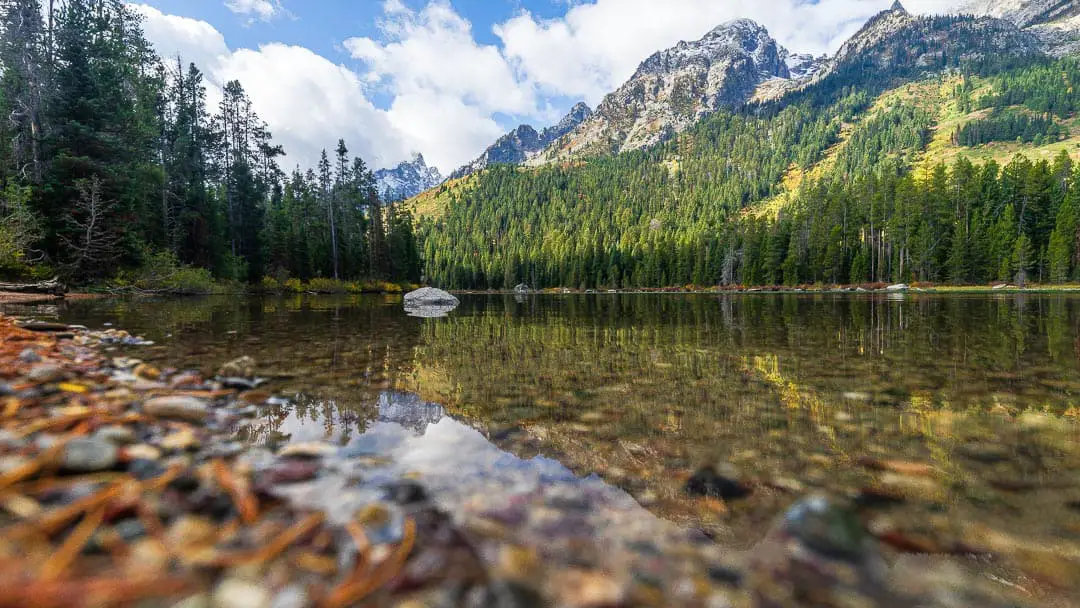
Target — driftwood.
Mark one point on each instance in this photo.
(53, 287)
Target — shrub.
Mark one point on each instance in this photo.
(270, 285)
(323, 285)
(294, 286)
(163, 272)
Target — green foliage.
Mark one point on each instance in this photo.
(1046, 88)
(162, 272)
(1010, 126)
(20, 228)
(118, 153)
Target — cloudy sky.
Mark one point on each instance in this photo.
(446, 77)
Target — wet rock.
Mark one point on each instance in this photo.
(898, 287)
(89, 455)
(307, 450)
(717, 482)
(45, 373)
(818, 550)
(292, 471)
(188, 409)
(147, 372)
(405, 492)
(29, 356)
(180, 441)
(116, 435)
(236, 593)
(142, 452)
(429, 302)
(243, 367)
(586, 589)
(292, 596)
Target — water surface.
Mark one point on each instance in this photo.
(800, 392)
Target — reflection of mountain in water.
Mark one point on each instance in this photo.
(408, 410)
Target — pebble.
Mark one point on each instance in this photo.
(307, 450)
(45, 373)
(29, 356)
(142, 451)
(244, 367)
(89, 455)
(180, 441)
(717, 482)
(587, 589)
(188, 409)
(116, 435)
(292, 471)
(904, 487)
(236, 593)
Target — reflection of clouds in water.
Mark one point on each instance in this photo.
(456, 461)
(408, 410)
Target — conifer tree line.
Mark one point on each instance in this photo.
(110, 159)
(718, 205)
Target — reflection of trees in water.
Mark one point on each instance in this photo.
(548, 358)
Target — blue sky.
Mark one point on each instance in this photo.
(446, 77)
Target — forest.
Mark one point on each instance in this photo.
(710, 208)
(114, 170)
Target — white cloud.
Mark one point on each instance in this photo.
(597, 46)
(263, 10)
(445, 89)
(308, 101)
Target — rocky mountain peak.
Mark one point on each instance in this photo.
(897, 7)
(1056, 23)
(524, 142)
(676, 87)
(406, 180)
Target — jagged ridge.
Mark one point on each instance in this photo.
(406, 180)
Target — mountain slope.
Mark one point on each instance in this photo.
(524, 142)
(675, 88)
(406, 180)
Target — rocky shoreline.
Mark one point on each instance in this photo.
(125, 484)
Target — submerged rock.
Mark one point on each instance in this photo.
(717, 482)
(429, 302)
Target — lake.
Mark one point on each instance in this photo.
(951, 419)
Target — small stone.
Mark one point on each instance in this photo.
(244, 367)
(191, 531)
(585, 589)
(147, 372)
(89, 455)
(142, 452)
(405, 492)
(180, 441)
(188, 409)
(43, 374)
(236, 593)
(292, 471)
(116, 435)
(517, 563)
(717, 482)
(29, 356)
(307, 450)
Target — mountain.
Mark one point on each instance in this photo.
(406, 180)
(894, 160)
(1055, 22)
(677, 87)
(524, 142)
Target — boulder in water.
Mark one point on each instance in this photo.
(429, 302)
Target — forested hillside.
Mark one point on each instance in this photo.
(873, 201)
(112, 164)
